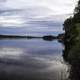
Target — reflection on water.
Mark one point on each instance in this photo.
(72, 56)
(32, 60)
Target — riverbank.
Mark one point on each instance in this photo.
(71, 52)
(46, 37)
(72, 37)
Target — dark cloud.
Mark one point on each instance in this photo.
(3, 0)
(9, 11)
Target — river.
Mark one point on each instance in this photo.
(31, 59)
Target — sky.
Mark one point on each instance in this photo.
(49, 6)
(21, 13)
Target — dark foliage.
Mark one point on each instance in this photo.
(71, 52)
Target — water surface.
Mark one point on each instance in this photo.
(35, 59)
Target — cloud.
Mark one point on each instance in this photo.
(3, 0)
(57, 6)
(20, 12)
(11, 21)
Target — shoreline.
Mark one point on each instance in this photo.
(46, 37)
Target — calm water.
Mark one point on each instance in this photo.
(33, 59)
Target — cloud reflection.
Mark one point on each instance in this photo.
(8, 52)
(34, 66)
(31, 60)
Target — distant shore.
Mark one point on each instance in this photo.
(46, 37)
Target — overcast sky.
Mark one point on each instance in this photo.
(17, 12)
(53, 6)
